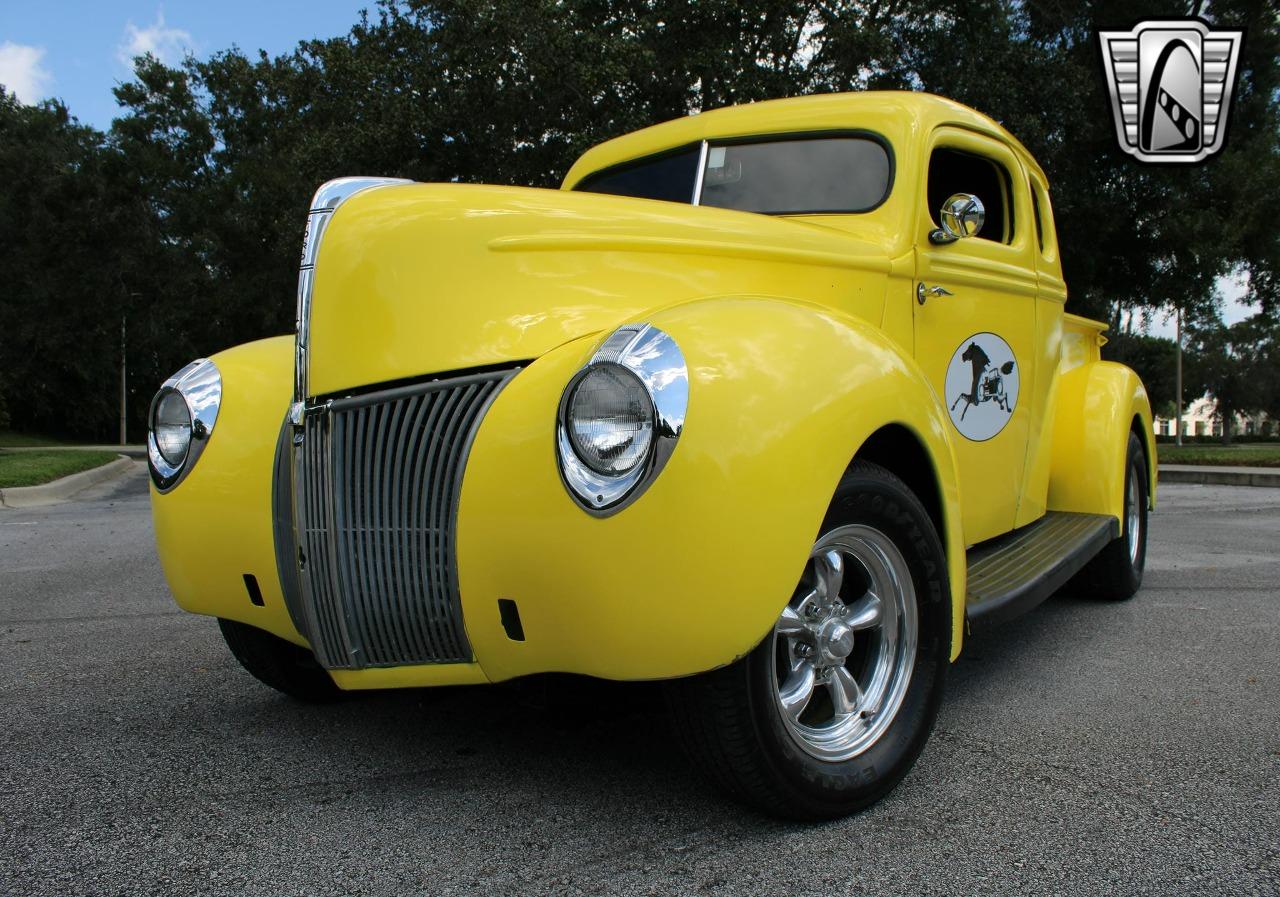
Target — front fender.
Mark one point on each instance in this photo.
(1096, 406)
(694, 573)
(216, 525)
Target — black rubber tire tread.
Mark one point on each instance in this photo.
(719, 716)
(1110, 576)
(284, 666)
(706, 712)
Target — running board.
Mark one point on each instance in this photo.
(1013, 573)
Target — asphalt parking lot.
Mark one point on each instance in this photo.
(1084, 749)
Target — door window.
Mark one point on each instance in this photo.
(952, 171)
(1046, 233)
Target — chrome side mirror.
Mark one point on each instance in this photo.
(962, 216)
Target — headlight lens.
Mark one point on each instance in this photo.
(619, 418)
(610, 420)
(172, 428)
(181, 420)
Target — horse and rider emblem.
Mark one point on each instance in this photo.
(982, 386)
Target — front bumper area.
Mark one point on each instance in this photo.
(389, 508)
(686, 579)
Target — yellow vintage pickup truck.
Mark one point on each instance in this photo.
(775, 402)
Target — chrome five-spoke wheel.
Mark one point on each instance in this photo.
(832, 707)
(844, 646)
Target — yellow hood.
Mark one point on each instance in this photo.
(424, 278)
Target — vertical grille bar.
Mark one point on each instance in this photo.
(438, 448)
(317, 548)
(376, 487)
(417, 518)
(361, 591)
(382, 527)
(452, 463)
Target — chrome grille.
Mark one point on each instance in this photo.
(376, 487)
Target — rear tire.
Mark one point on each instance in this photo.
(868, 632)
(284, 666)
(1115, 574)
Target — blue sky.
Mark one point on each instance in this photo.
(79, 50)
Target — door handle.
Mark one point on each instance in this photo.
(923, 292)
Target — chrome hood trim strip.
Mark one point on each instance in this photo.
(325, 202)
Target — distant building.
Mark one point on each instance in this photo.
(1201, 418)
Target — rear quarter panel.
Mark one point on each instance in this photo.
(1096, 405)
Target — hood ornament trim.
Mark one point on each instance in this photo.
(325, 202)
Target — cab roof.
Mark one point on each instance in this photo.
(890, 112)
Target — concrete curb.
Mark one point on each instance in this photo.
(1220, 476)
(63, 489)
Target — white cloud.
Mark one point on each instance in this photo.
(22, 74)
(166, 44)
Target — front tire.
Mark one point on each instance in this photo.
(284, 666)
(833, 707)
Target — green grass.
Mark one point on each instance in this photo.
(34, 468)
(10, 439)
(1257, 454)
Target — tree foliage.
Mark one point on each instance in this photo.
(78, 257)
(1239, 367)
(186, 217)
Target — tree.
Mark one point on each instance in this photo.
(1155, 361)
(1236, 364)
(70, 242)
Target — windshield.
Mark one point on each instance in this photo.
(791, 176)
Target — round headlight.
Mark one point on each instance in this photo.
(610, 420)
(172, 428)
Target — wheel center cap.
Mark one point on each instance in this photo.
(835, 641)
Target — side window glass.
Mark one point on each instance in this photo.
(667, 177)
(1035, 210)
(952, 171)
(1044, 219)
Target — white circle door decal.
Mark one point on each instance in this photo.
(982, 386)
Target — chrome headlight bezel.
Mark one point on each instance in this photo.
(199, 385)
(653, 357)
